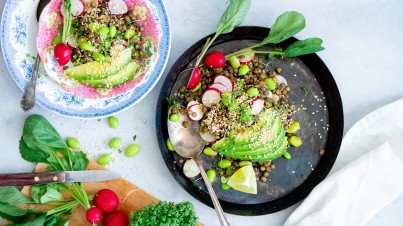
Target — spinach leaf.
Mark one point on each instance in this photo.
(13, 196)
(32, 155)
(52, 194)
(286, 25)
(37, 191)
(43, 132)
(233, 16)
(39, 221)
(80, 160)
(302, 47)
(14, 214)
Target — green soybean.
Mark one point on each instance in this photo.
(244, 163)
(294, 127)
(169, 145)
(129, 34)
(224, 163)
(112, 31)
(253, 92)
(115, 143)
(231, 170)
(210, 152)
(113, 122)
(287, 155)
(270, 83)
(243, 70)
(73, 142)
(211, 174)
(234, 62)
(104, 159)
(93, 26)
(225, 186)
(98, 57)
(295, 141)
(174, 117)
(87, 46)
(57, 40)
(103, 31)
(107, 43)
(224, 180)
(206, 143)
(132, 150)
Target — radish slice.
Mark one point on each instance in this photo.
(192, 103)
(207, 137)
(244, 59)
(211, 96)
(281, 80)
(219, 86)
(194, 78)
(117, 7)
(190, 168)
(198, 109)
(77, 8)
(257, 105)
(227, 82)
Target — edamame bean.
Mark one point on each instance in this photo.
(93, 26)
(210, 152)
(287, 155)
(57, 40)
(132, 150)
(294, 127)
(112, 31)
(104, 159)
(174, 117)
(243, 70)
(103, 31)
(211, 174)
(206, 143)
(226, 98)
(234, 62)
(107, 43)
(129, 34)
(225, 186)
(231, 170)
(115, 143)
(295, 141)
(73, 142)
(224, 180)
(270, 83)
(98, 57)
(224, 163)
(253, 92)
(86, 45)
(169, 145)
(244, 163)
(113, 122)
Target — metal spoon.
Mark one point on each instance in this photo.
(188, 143)
(28, 98)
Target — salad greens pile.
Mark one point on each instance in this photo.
(41, 143)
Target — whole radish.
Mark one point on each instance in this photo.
(106, 200)
(93, 215)
(63, 53)
(117, 218)
(214, 59)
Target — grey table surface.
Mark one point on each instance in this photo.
(364, 51)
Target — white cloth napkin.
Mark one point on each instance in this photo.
(367, 175)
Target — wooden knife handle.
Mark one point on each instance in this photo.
(22, 179)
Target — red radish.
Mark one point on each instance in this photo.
(190, 168)
(281, 80)
(106, 200)
(194, 78)
(197, 110)
(192, 103)
(214, 59)
(227, 82)
(257, 105)
(117, 218)
(219, 86)
(211, 96)
(77, 8)
(207, 137)
(117, 7)
(93, 215)
(246, 58)
(63, 53)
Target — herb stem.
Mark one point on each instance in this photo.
(205, 48)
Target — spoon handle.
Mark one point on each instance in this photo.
(28, 98)
(216, 203)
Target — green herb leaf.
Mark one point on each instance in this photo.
(43, 132)
(286, 25)
(303, 47)
(14, 214)
(37, 191)
(134, 137)
(30, 154)
(233, 16)
(39, 221)
(51, 195)
(80, 160)
(13, 196)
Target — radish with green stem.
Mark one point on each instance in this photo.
(63, 51)
(214, 59)
(93, 215)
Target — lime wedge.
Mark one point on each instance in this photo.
(244, 180)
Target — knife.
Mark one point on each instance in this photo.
(22, 179)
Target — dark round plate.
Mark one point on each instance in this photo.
(319, 111)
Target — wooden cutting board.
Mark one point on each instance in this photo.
(137, 199)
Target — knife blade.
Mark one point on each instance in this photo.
(22, 179)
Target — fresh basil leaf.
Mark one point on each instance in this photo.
(233, 16)
(43, 132)
(286, 25)
(37, 191)
(13, 196)
(80, 160)
(39, 221)
(16, 215)
(303, 47)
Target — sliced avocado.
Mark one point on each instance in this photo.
(100, 70)
(124, 75)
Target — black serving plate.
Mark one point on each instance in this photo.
(319, 111)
